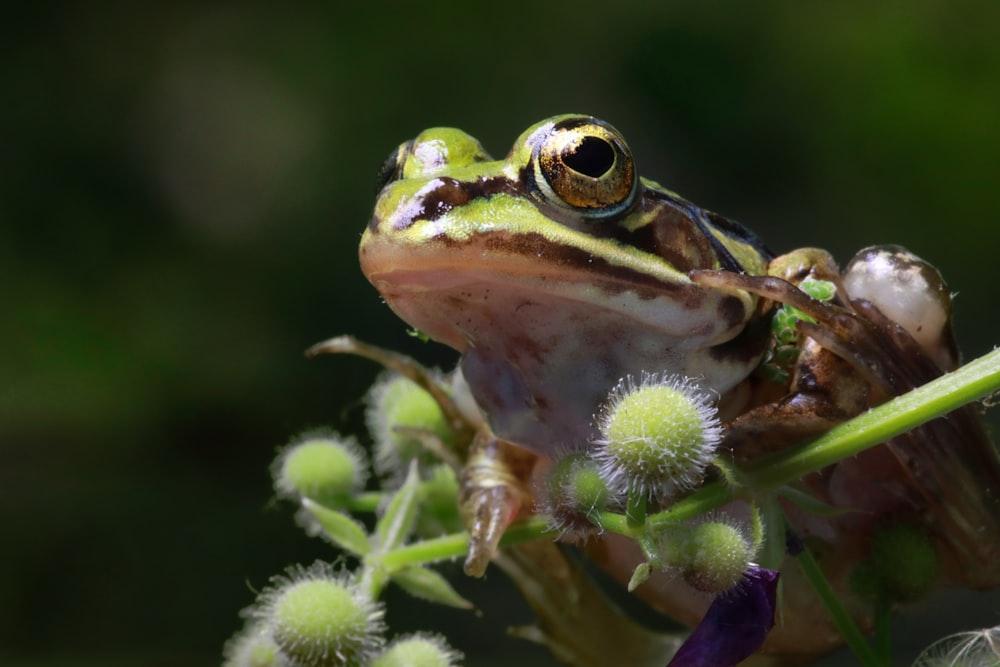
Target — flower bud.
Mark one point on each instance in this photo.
(657, 436)
(438, 512)
(710, 556)
(253, 647)
(902, 564)
(396, 401)
(574, 493)
(322, 466)
(319, 619)
(418, 651)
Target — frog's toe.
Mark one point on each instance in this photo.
(492, 511)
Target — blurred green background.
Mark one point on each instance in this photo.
(183, 192)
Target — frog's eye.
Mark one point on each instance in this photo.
(585, 165)
(392, 169)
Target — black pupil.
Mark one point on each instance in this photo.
(592, 157)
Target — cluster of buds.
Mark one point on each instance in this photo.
(325, 616)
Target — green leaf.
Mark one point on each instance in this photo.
(426, 584)
(346, 533)
(419, 335)
(639, 575)
(397, 522)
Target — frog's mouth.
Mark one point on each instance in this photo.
(463, 293)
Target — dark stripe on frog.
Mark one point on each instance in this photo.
(673, 235)
(704, 219)
(450, 194)
(617, 278)
(735, 230)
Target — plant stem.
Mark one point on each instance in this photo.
(367, 501)
(845, 624)
(616, 523)
(903, 413)
(457, 544)
(635, 508)
(883, 629)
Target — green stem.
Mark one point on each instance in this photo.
(456, 545)
(367, 501)
(705, 499)
(445, 547)
(616, 523)
(635, 508)
(372, 581)
(903, 413)
(883, 629)
(756, 527)
(845, 624)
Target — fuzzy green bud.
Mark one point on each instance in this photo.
(657, 436)
(439, 503)
(574, 482)
(418, 651)
(822, 290)
(711, 556)
(253, 647)
(574, 494)
(396, 402)
(319, 619)
(902, 564)
(324, 467)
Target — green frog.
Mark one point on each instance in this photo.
(558, 270)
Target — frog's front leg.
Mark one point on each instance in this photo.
(822, 390)
(493, 491)
(850, 355)
(493, 473)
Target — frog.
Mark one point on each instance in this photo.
(558, 270)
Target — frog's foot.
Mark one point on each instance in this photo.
(493, 492)
(880, 350)
(829, 393)
(947, 470)
(851, 357)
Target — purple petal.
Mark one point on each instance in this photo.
(735, 625)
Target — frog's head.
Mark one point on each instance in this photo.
(555, 271)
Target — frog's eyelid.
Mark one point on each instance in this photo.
(391, 167)
(585, 167)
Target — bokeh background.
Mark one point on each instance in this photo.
(184, 185)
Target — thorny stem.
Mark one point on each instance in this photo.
(456, 545)
(903, 413)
